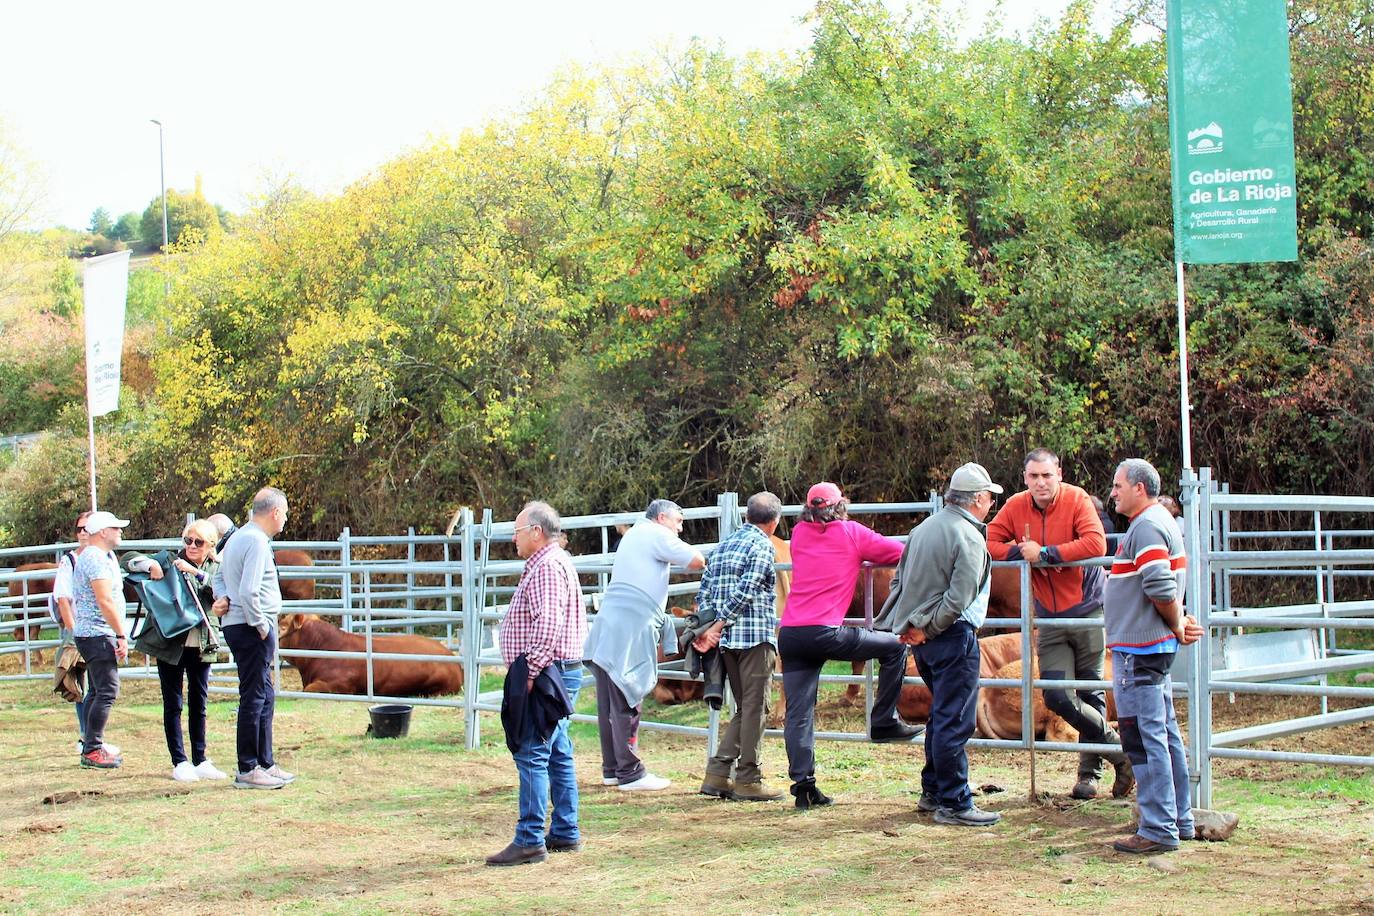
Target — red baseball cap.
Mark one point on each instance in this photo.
(822, 494)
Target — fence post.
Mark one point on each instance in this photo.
(346, 582)
(410, 575)
(1198, 533)
(727, 505)
(472, 631)
(1027, 669)
(367, 629)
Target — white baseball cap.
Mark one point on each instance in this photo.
(973, 478)
(99, 521)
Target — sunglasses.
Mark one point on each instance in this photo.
(194, 542)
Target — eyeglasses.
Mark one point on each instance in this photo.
(523, 528)
(194, 542)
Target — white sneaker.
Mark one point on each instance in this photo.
(605, 780)
(646, 783)
(207, 770)
(257, 778)
(112, 749)
(80, 747)
(185, 772)
(278, 773)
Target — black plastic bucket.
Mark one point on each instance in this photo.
(389, 720)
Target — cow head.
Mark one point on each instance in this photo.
(291, 624)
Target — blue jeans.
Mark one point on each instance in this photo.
(949, 665)
(546, 771)
(1149, 735)
(102, 674)
(257, 700)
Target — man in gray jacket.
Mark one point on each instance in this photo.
(247, 579)
(938, 601)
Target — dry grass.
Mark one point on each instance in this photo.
(404, 825)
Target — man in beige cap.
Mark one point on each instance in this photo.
(938, 601)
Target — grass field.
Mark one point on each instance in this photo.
(404, 825)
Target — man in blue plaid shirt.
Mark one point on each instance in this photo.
(737, 591)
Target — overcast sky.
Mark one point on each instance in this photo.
(253, 91)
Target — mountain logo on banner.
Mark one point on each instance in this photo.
(1205, 140)
(1271, 134)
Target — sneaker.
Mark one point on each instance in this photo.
(278, 773)
(257, 778)
(898, 733)
(1085, 789)
(207, 770)
(80, 747)
(646, 783)
(973, 816)
(101, 758)
(112, 748)
(185, 772)
(927, 803)
(610, 781)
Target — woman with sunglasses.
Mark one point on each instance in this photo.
(186, 658)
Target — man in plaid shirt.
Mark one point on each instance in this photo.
(547, 624)
(737, 590)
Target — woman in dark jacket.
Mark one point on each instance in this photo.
(185, 658)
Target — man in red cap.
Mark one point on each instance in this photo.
(827, 552)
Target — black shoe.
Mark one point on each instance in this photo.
(553, 844)
(518, 855)
(892, 734)
(808, 796)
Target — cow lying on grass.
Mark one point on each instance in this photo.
(390, 677)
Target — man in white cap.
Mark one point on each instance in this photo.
(938, 601)
(98, 606)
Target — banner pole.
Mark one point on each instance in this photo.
(90, 446)
(1184, 409)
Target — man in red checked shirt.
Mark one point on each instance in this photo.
(547, 624)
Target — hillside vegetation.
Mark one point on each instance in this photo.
(870, 263)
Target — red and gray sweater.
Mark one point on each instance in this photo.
(1149, 566)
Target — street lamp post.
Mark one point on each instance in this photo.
(162, 174)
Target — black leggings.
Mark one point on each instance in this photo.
(196, 673)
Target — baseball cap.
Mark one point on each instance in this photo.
(824, 493)
(972, 478)
(99, 521)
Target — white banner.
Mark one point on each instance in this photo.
(106, 287)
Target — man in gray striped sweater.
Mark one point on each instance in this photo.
(247, 578)
(1145, 623)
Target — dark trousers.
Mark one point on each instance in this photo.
(750, 673)
(1077, 654)
(618, 723)
(804, 651)
(949, 665)
(102, 677)
(257, 700)
(196, 673)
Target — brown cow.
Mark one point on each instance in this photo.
(999, 708)
(349, 675)
(37, 591)
(295, 589)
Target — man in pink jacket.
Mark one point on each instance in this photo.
(827, 552)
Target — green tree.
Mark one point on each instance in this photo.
(127, 227)
(189, 215)
(101, 224)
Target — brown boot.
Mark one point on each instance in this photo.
(756, 791)
(718, 786)
(1125, 778)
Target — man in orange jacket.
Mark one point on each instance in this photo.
(1048, 524)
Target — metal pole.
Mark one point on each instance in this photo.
(472, 632)
(1186, 428)
(90, 436)
(1027, 667)
(1200, 703)
(162, 175)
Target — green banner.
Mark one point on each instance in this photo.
(1231, 132)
